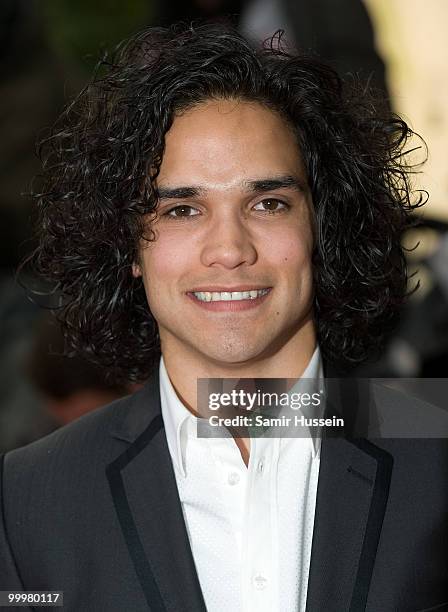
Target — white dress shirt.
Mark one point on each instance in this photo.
(250, 528)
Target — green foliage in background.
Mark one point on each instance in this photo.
(81, 29)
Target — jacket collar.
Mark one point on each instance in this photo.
(352, 495)
(146, 500)
(351, 500)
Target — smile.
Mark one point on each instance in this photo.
(229, 296)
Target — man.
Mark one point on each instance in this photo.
(238, 213)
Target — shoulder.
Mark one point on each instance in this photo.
(400, 413)
(414, 434)
(86, 434)
(75, 452)
(55, 492)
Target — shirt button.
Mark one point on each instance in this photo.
(233, 478)
(259, 582)
(260, 466)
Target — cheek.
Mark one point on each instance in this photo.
(164, 263)
(293, 252)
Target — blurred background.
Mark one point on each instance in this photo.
(48, 49)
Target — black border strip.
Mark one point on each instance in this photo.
(126, 520)
(375, 520)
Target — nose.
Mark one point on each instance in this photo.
(228, 243)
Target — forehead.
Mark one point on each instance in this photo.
(226, 141)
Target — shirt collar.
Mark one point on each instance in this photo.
(180, 423)
(175, 417)
(312, 380)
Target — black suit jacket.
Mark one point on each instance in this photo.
(93, 510)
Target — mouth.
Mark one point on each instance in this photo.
(244, 299)
(230, 296)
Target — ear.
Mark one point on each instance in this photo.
(136, 270)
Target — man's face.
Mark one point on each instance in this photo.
(234, 217)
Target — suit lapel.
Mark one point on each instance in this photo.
(352, 495)
(351, 500)
(144, 492)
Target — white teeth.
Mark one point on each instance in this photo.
(204, 296)
(227, 296)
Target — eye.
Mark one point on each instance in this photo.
(182, 210)
(271, 205)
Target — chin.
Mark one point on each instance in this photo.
(231, 353)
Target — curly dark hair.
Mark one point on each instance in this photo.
(102, 156)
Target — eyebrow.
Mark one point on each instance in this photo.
(281, 182)
(178, 193)
(254, 186)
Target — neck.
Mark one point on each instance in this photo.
(185, 365)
